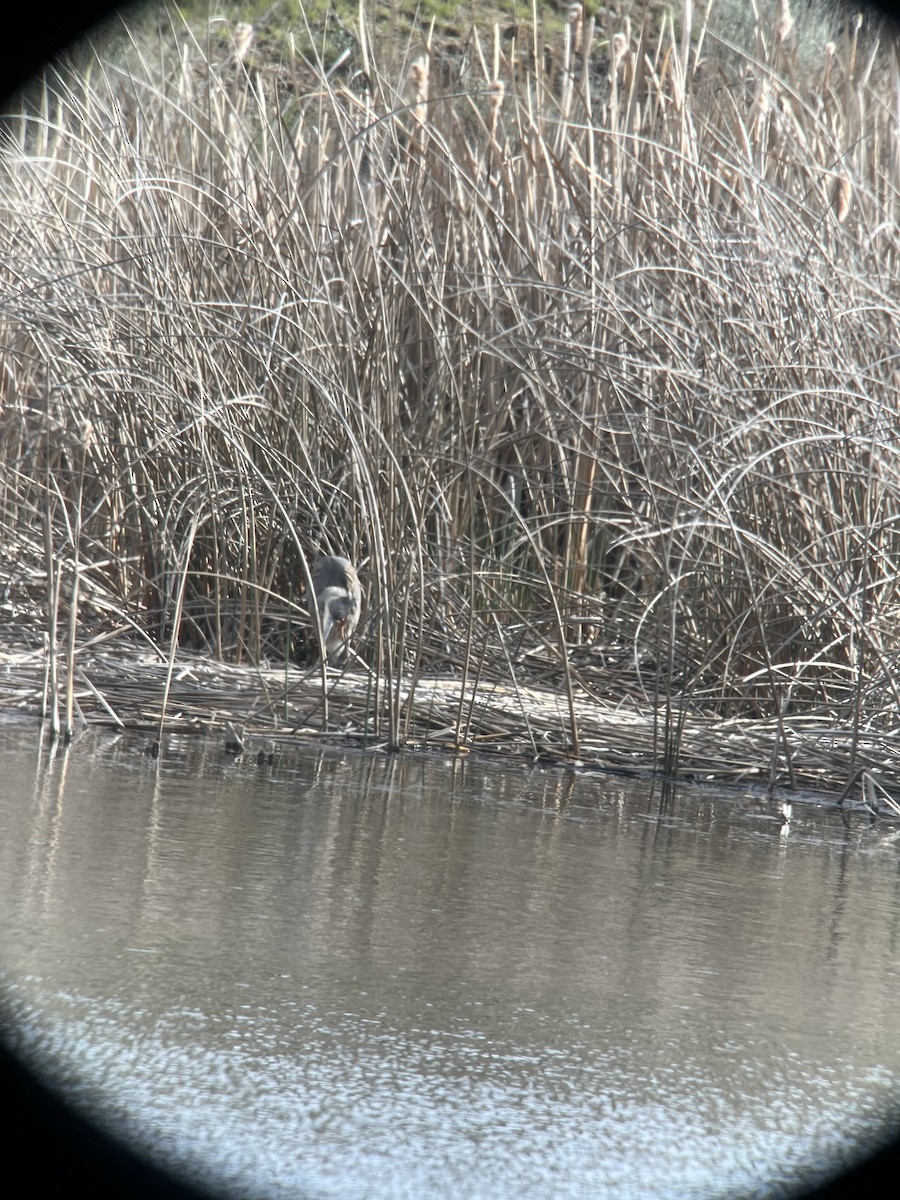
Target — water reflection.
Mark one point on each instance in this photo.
(360, 975)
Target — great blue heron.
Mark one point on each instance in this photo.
(338, 599)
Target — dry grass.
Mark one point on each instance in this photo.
(582, 365)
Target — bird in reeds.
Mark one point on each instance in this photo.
(338, 599)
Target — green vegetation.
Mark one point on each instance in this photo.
(582, 339)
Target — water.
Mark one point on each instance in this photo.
(348, 975)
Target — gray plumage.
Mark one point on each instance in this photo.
(338, 598)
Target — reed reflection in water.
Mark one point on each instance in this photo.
(359, 975)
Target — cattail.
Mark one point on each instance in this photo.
(784, 21)
(418, 86)
(575, 15)
(856, 26)
(496, 92)
(763, 102)
(619, 47)
(841, 197)
(242, 38)
(830, 51)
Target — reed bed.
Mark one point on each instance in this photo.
(584, 346)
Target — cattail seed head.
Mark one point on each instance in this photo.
(784, 21)
(841, 197)
(496, 92)
(242, 38)
(575, 18)
(619, 47)
(418, 79)
(418, 86)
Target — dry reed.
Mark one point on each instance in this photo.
(585, 348)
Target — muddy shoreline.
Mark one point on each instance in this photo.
(258, 710)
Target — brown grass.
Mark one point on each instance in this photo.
(585, 351)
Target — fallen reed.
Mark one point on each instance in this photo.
(584, 344)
